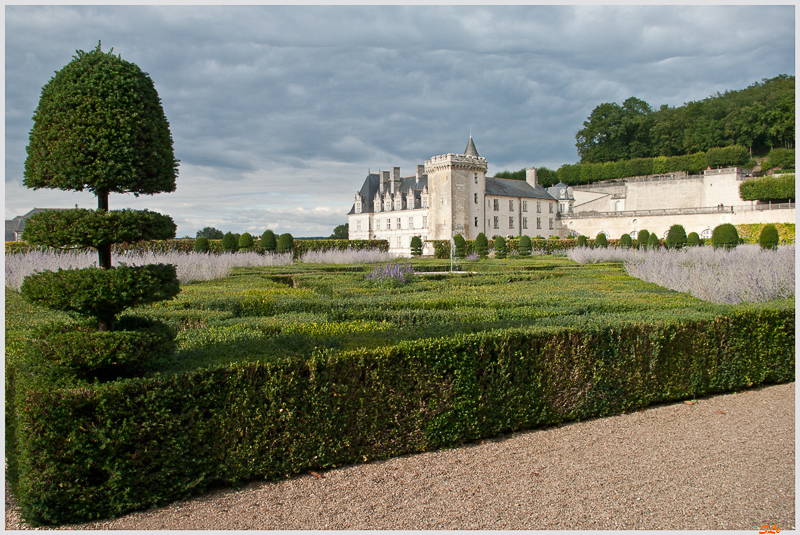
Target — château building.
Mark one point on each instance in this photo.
(450, 194)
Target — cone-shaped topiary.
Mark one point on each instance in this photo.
(601, 240)
(201, 245)
(499, 247)
(653, 242)
(524, 246)
(769, 239)
(625, 241)
(269, 242)
(461, 245)
(725, 236)
(246, 241)
(99, 126)
(482, 245)
(676, 237)
(643, 238)
(693, 239)
(416, 246)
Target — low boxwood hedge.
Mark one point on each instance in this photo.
(80, 451)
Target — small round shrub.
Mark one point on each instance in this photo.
(499, 247)
(725, 236)
(482, 245)
(230, 243)
(285, 243)
(269, 242)
(524, 246)
(582, 241)
(246, 241)
(676, 237)
(643, 238)
(653, 242)
(601, 240)
(693, 239)
(768, 239)
(625, 241)
(201, 245)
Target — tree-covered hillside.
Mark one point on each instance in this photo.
(760, 117)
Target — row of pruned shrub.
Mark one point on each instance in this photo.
(79, 451)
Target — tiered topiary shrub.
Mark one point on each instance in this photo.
(769, 237)
(676, 237)
(725, 236)
(100, 127)
(482, 245)
(601, 240)
(416, 246)
(500, 247)
(524, 246)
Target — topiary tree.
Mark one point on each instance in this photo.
(285, 243)
(625, 241)
(499, 247)
(643, 238)
(201, 245)
(693, 239)
(524, 246)
(99, 126)
(269, 242)
(481, 245)
(582, 241)
(246, 241)
(416, 246)
(230, 243)
(601, 240)
(653, 242)
(676, 237)
(461, 245)
(769, 239)
(725, 236)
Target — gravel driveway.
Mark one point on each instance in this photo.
(725, 462)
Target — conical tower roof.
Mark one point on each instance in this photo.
(471, 150)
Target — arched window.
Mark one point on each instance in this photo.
(706, 234)
(633, 234)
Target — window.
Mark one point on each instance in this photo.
(476, 178)
(358, 225)
(476, 221)
(388, 224)
(411, 223)
(424, 201)
(539, 222)
(398, 223)
(633, 234)
(398, 242)
(706, 234)
(496, 205)
(551, 207)
(424, 221)
(511, 222)
(551, 222)
(510, 205)
(496, 222)
(538, 207)
(476, 198)
(525, 222)
(524, 206)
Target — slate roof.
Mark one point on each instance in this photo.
(372, 185)
(471, 150)
(555, 191)
(506, 187)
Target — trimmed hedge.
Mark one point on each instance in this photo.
(81, 451)
(768, 188)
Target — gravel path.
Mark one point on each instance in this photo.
(725, 462)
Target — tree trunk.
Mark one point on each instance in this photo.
(103, 250)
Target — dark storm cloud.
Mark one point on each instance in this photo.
(280, 110)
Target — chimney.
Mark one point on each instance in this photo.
(530, 177)
(384, 181)
(420, 171)
(395, 179)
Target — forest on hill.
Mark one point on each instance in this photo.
(759, 118)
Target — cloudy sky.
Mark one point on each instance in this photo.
(278, 112)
